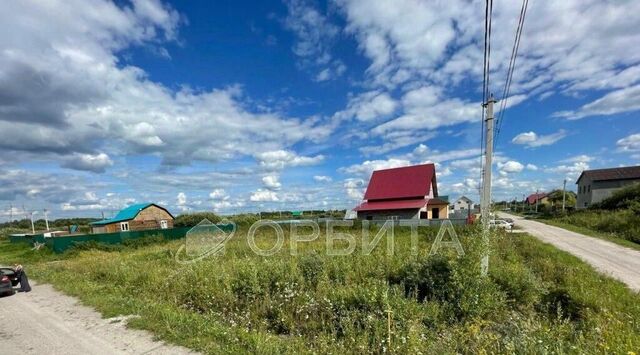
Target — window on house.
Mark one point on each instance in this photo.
(164, 224)
(124, 226)
(589, 188)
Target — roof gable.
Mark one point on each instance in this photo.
(534, 197)
(405, 182)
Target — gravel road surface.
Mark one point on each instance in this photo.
(45, 321)
(609, 258)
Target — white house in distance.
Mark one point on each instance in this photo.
(463, 204)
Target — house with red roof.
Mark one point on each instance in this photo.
(540, 198)
(409, 192)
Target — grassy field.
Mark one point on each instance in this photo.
(611, 237)
(536, 299)
(619, 226)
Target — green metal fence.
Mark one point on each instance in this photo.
(60, 244)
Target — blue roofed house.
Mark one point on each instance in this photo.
(140, 216)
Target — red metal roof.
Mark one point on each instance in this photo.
(405, 182)
(531, 199)
(392, 205)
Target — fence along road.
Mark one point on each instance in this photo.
(609, 258)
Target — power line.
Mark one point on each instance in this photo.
(511, 68)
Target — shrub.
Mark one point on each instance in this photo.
(459, 288)
(312, 269)
(559, 304)
(143, 241)
(192, 219)
(518, 282)
(625, 198)
(245, 285)
(133, 243)
(433, 279)
(623, 223)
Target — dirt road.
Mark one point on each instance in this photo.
(609, 258)
(45, 321)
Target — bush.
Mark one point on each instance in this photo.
(133, 243)
(312, 269)
(144, 241)
(623, 223)
(457, 287)
(192, 219)
(559, 304)
(519, 283)
(626, 198)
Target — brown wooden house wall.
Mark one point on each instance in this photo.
(148, 218)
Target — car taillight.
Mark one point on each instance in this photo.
(5, 278)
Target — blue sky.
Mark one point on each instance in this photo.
(238, 106)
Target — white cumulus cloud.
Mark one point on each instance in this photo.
(532, 139)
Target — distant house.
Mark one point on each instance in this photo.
(403, 193)
(463, 204)
(596, 185)
(140, 216)
(537, 198)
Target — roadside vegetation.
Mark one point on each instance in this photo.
(536, 299)
(616, 218)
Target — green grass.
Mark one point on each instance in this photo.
(536, 299)
(619, 226)
(592, 233)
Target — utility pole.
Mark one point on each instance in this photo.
(485, 203)
(537, 199)
(10, 214)
(564, 189)
(522, 203)
(486, 174)
(46, 219)
(33, 229)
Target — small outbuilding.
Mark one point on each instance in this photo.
(409, 192)
(141, 216)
